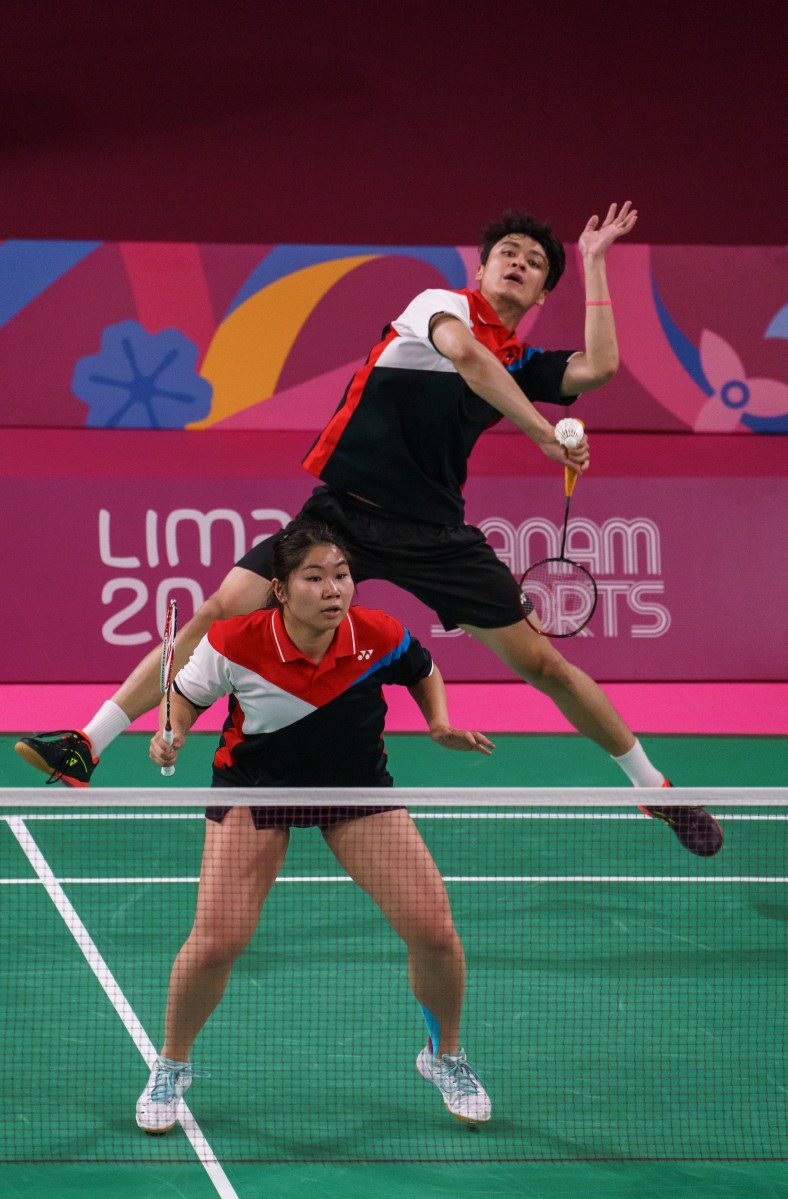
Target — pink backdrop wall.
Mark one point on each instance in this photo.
(150, 335)
(169, 123)
(684, 540)
(157, 399)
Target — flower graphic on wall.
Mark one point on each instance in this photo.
(141, 380)
(759, 404)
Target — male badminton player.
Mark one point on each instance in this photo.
(393, 461)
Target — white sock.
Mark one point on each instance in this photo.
(638, 769)
(108, 723)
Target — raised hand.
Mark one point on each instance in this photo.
(596, 239)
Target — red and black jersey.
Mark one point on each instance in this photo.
(292, 723)
(404, 430)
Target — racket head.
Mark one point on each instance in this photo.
(168, 647)
(559, 597)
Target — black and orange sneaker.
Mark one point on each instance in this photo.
(66, 756)
(695, 828)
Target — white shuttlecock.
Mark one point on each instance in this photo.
(568, 432)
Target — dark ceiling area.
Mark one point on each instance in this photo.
(410, 124)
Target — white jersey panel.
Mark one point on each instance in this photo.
(265, 706)
(413, 350)
(208, 676)
(205, 677)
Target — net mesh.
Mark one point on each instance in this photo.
(625, 999)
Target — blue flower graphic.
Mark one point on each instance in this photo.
(142, 380)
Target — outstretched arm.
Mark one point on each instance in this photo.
(430, 695)
(599, 361)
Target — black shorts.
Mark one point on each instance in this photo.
(450, 568)
(300, 817)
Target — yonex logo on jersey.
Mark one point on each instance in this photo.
(365, 653)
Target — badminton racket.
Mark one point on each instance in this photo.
(558, 595)
(167, 663)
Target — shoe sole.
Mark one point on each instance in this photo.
(156, 1132)
(668, 824)
(466, 1119)
(462, 1119)
(653, 815)
(35, 760)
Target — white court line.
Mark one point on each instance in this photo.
(116, 997)
(571, 816)
(449, 878)
(36, 815)
(452, 878)
(136, 881)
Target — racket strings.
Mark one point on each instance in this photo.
(559, 596)
(168, 647)
(167, 661)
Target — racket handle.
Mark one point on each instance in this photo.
(570, 478)
(167, 736)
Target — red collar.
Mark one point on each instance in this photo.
(487, 313)
(343, 644)
(504, 343)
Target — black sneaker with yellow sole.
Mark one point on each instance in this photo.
(66, 756)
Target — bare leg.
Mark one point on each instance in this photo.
(239, 867)
(535, 659)
(240, 592)
(386, 856)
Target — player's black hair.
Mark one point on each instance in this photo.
(290, 550)
(516, 220)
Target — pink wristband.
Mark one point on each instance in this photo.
(597, 303)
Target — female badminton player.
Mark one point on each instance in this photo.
(306, 709)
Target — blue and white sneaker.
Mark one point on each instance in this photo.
(157, 1106)
(458, 1083)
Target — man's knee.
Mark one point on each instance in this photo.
(546, 669)
(240, 592)
(209, 610)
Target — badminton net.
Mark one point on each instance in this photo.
(625, 999)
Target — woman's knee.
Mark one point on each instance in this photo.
(220, 948)
(435, 938)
